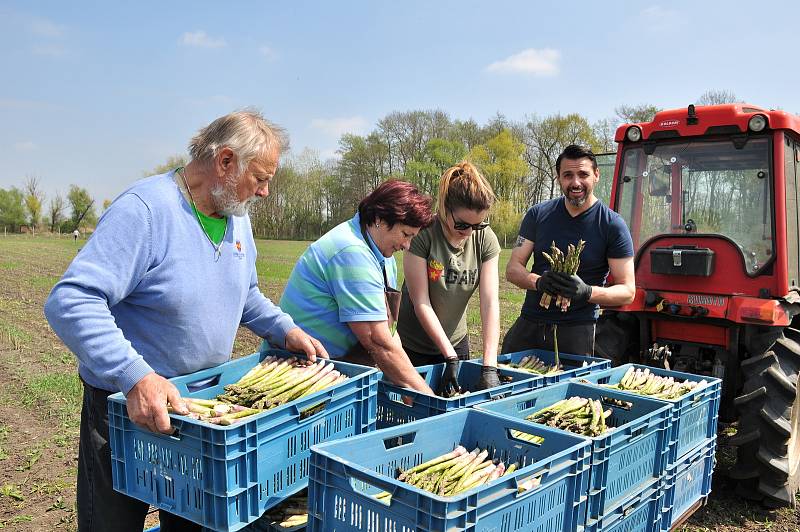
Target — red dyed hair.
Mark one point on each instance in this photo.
(396, 201)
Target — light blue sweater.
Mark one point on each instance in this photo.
(145, 294)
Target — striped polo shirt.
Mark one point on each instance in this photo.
(338, 279)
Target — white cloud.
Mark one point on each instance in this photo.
(50, 50)
(268, 52)
(542, 62)
(336, 127)
(201, 39)
(660, 18)
(46, 28)
(25, 145)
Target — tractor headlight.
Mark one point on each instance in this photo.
(757, 123)
(634, 134)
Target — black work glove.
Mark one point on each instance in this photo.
(572, 287)
(546, 282)
(489, 378)
(449, 385)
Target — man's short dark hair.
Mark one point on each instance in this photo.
(574, 152)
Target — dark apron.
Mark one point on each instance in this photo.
(358, 353)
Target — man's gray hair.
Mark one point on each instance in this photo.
(246, 132)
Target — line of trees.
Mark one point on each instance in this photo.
(24, 209)
(310, 195)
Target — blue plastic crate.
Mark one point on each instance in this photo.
(626, 459)
(688, 482)
(694, 415)
(392, 411)
(226, 477)
(573, 364)
(639, 513)
(346, 475)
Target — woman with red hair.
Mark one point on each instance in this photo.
(342, 289)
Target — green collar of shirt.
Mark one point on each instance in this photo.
(214, 227)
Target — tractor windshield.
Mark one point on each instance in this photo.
(712, 187)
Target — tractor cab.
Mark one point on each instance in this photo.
(710, 196)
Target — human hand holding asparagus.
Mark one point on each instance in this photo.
(564, 270)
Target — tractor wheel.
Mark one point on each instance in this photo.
(768, 440)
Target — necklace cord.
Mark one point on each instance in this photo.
(217, 247)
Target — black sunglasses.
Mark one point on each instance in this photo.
(463, 226)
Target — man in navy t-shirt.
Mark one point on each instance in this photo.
(577, 215)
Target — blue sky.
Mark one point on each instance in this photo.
(95, 93)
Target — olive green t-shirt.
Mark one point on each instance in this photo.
(453, 276)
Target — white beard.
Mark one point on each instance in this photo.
(226, 201)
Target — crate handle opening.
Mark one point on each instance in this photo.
(629, 508)
(400, 439)
(637, 434)
(405, 400)
(314, 410)
(202, 384)
(529, 485)
(527, 437)
(616, 403)
(502, 394)
(176, 433)
(359, 485)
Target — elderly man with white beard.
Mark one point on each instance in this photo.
(574, 216)
(160, 290)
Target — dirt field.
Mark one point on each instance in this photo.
(40, 396)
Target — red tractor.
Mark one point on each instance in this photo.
(710, 194)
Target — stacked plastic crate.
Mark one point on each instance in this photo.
(348, 477)
(693, 440)
(628, 462)
(224, 477)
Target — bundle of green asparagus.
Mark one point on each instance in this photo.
(534, 364)
(643, 382)
(273, 382)
(559, 262)
(456, 472)
(276, 381)
(290, 513)
(216, 412)
(582, 416)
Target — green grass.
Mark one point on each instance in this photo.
(13, 336)
(45, 282)
(59, 393)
